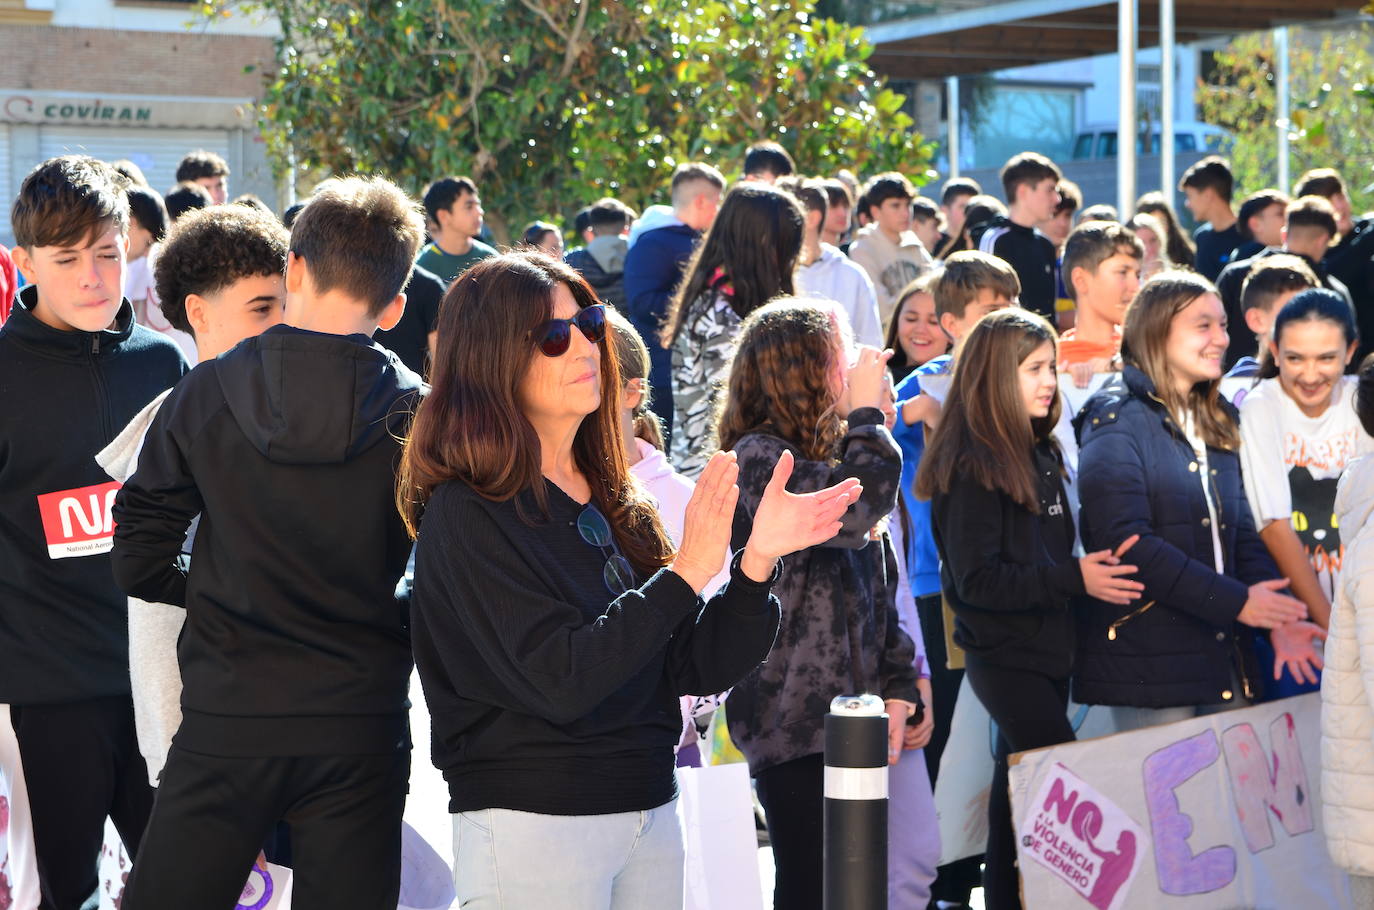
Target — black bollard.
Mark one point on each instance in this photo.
(856, 804)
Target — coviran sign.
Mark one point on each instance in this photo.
(19, 107)
(95, 110)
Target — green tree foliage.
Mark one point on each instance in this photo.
(549, 104)
(1330, 102)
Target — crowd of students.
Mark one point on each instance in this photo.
(724, 460)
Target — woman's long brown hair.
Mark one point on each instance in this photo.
(780, 379)
(984, 431)
(1144, 345)
(472, 427)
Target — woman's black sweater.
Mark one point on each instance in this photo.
(545, 694)
(1008, 573)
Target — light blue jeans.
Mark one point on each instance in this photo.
(509, 860)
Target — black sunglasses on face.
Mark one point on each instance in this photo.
(555, 336)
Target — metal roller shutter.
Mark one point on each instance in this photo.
(156, 151)
(8, 189)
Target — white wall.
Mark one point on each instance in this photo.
(168, 17)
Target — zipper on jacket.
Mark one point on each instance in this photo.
(1240, 669)
(101, 392)
(1111, 630)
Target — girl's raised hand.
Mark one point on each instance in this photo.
(706, 527)
(1266, 608)
(787, 522)
(866, 377)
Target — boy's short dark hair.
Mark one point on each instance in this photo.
(1364, 395)
(288, 217)
(837, 193)
(1093, 243)
(130, 171)
(1027, 169)
(981, 209)
(442, 193)
(252, 200)
(697, 170)
(1312, 212)
(68, 200)
(885, 186)
(923, 209)
(582, 220)
(201, 163)
(1100, 212)
(608, 216)
(957, 187)
(148, 211)
(1212, 172)
(768, 157)
(359, 235)
(966, 273)
(1322, 181)
(810, 193)
(1254, 204)
(185, 197)
(861, 205)
(1273, 276)
(1070, 197)
(210, 249)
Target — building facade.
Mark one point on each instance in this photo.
(148, 81)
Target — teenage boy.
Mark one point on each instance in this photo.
(1059, 225)
(954, 197)
(1272, 282)
(294, 657)
(767, 162)
(827, 273)
(209, 170)
(1102, 262)
(887, 248)
(1260, 221)
(602, 260)
(1309, 227)
(1057, 229)
(967, 287)
(219, 279)
(1206, 188)
(654, 263)
(454, 211)
(186, 196)
(925, 223)
(839, 212)
(1031, 183)
(1351, 259)
(75, 369)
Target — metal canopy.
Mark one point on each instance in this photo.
(959, 38)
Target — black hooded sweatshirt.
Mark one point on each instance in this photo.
(294, 641)
(64, 624)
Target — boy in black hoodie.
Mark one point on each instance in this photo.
(1031, 183)
(74, 368)
(295, 655)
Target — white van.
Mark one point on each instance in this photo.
(1100, 141)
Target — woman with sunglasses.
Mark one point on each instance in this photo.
(554, 625)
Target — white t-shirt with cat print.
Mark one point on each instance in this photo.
(1291, 463)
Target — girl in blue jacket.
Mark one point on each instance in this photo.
(1159, 459)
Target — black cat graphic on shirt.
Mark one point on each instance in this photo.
(1314, 518)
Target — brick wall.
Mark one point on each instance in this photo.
(54, 58)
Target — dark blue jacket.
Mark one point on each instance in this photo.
(653, 268)
(1180, 643)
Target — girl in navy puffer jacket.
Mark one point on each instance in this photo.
(1159, 459)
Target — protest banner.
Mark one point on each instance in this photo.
(1218, 811)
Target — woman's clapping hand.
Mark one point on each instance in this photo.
(787, 522)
